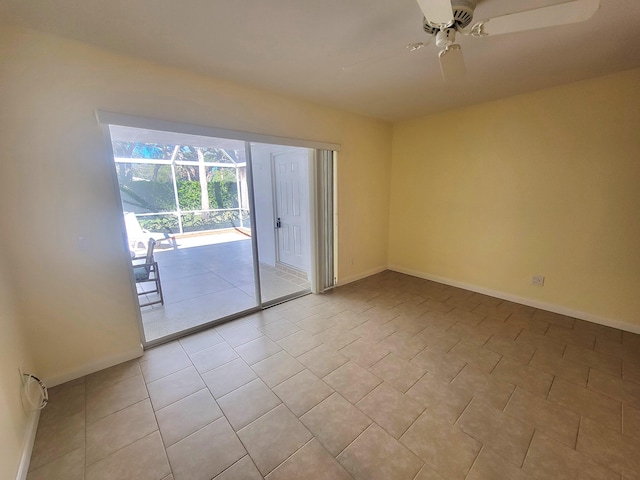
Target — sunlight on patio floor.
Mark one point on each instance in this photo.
(208, 277)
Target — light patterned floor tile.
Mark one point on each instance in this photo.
(144, 459)
(492, 389)
(335, 422)
(550, 418)
(105, 401)
(311, 462)
(547, 459)
(438, 343)
(213, 357)
(118, 430)
(69, 466)
(228, 377)
(398, 372)
(299, 343)
(277, 368)
(64, 401)
(174, 387)
(274, 437)
(376, 455)
(322, 360)
(440, 397)
(302, 392)
(58, 438)
(205, 453)
(390, 409)
(506, 435)
(279, 329)
(200, 341)
(258, 349)
(615, 387)
(556, 364)
(435, 362)
(352, 381)
(364, 353)
(446, 448)
(491, 466)
(115, 374)
(243, 469)
(588, 403)
(527, 377)
(614, 450)
(186, 416)
(155, 366)
(247, 403)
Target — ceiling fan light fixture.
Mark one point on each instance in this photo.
(452, 64)
(445, 37)
(412, 47)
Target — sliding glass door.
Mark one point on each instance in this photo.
(282, 188)
(216, 227)
(190, 194)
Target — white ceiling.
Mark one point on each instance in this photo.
(298, 47)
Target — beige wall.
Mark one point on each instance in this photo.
(363, 200)
(79, 312)
(13, 354)
(545, 183)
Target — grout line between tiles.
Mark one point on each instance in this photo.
(553, 380)
(526, 454)
(290, 456)
(475, 460)
(122, 448)
(235, 463)
(464, 410)
(575, 445)
(358, 436)
(510, 397)
(172, 373)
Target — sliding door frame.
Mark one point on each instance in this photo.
(322, 189)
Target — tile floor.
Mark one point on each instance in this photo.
(389, 378)
(202, 282)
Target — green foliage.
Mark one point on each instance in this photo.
(193, 222)
(143, 196)
(160, 224)
(147, 197)
(148, 187)
(221, 195)
(189, 195)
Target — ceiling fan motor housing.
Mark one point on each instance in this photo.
(462, 16)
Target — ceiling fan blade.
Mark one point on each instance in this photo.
(410, 48)
(554, 15)
(452, 64)
(438, 12)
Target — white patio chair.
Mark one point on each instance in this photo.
(139, 237)
(148, 272)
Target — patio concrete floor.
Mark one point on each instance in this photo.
(207, 278)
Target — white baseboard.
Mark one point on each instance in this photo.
(27, 448)
(609, 322)
(95, 366)
(354, 278)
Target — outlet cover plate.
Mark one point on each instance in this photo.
(537, 280)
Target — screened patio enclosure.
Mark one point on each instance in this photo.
(181, 188)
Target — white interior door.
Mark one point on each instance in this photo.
(291, 174)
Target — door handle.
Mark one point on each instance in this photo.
(278, 223)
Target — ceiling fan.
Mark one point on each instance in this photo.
(443, 19)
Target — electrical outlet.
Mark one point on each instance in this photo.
(537, 280)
